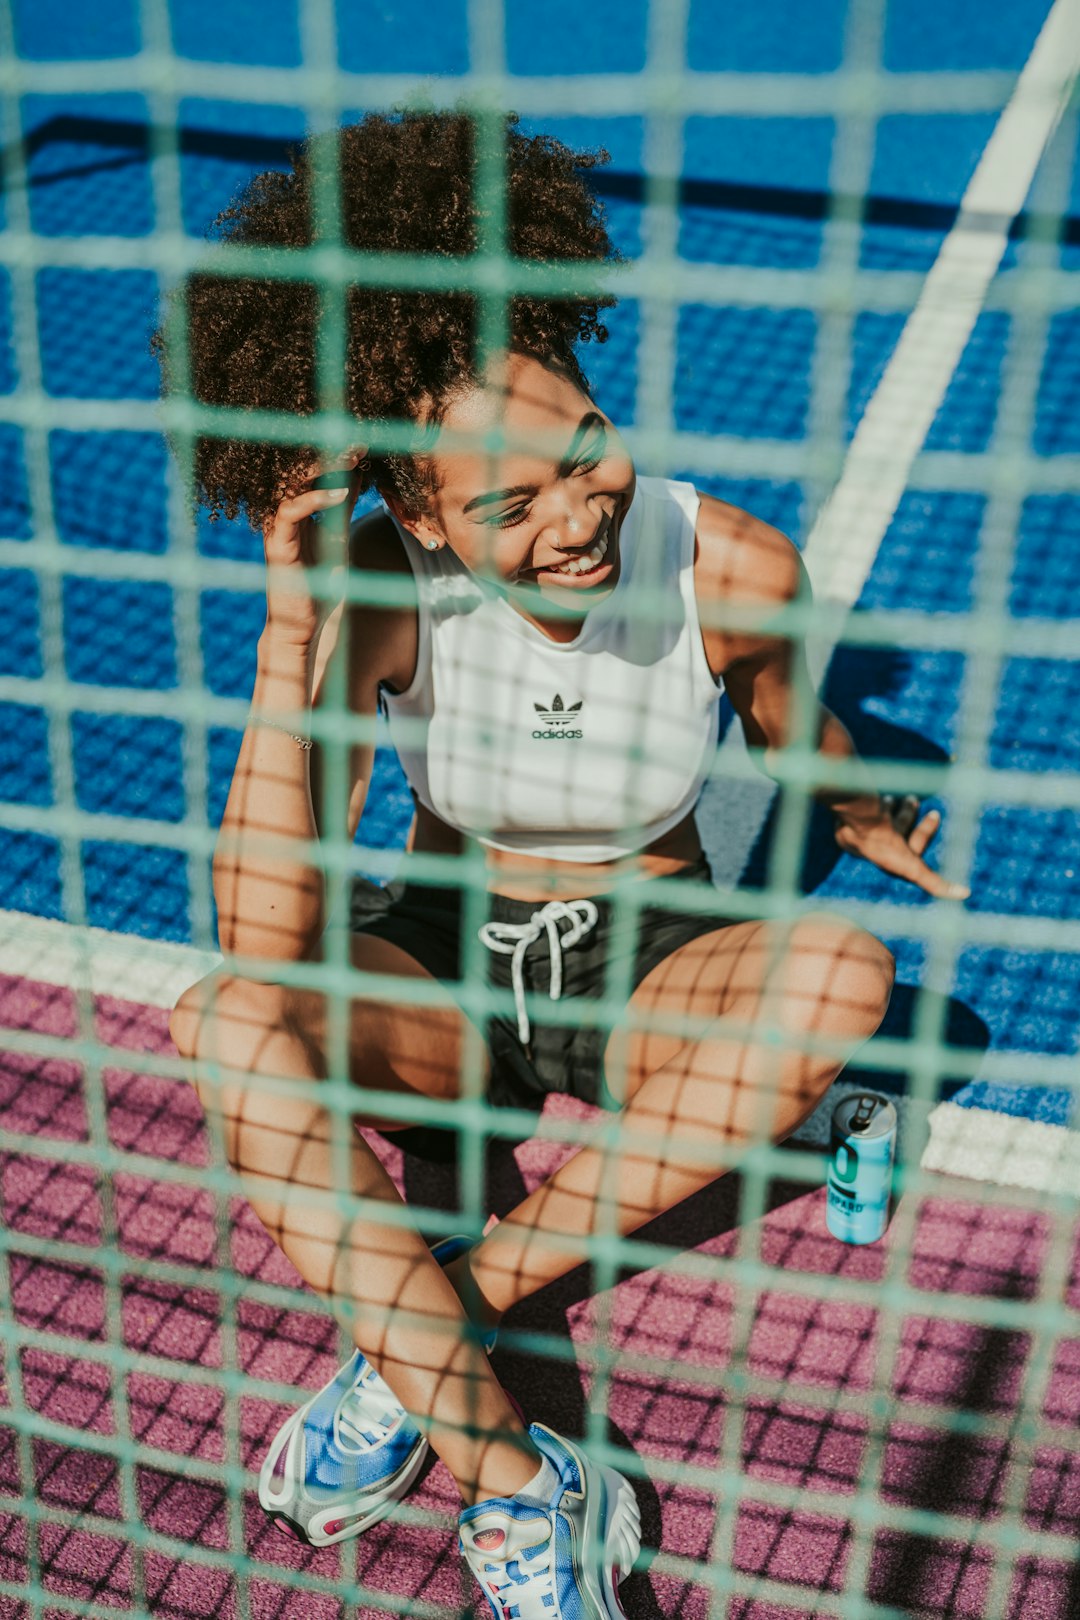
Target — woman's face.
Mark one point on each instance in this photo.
(544, 524)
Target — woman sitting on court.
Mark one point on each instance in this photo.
(549, 649)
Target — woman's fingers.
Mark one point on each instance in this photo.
(293, 613)
(933, 882)
(337, 474)
(927, 879)
(918, 836)
(925, 832)
(341, 478)
(902, 857)
(282, 537)
(906, 862)
(296, 540)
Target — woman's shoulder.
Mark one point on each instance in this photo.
(741, 558)
(742, 561)
(383, 636)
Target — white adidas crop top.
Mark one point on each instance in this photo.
(578, 751)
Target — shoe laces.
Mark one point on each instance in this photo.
(525, 1590)
(367, 1413)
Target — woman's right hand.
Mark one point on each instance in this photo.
(309, 528)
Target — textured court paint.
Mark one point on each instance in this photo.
(781, 158)
(737, 39)
(89, 313)
(9, 377)
(69, 196)
(408, 36)
(926, 160)
(24, 754)
(931, 35)
(20, 645)
(228, 32)
(811, 1437)
(1056, 431)
(966, 415)
(54, 30)
(221, 144)
(609, 36)
(14, 493)
(86, 470)
(744, 372)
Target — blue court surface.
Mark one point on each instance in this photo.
(754, 194)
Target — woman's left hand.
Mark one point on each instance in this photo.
(889, 832)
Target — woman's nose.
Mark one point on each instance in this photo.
(569, 526)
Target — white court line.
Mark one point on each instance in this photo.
(849, 529)
(149, 971)
(972, 1142)
(840, 554)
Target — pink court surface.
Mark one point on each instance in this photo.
(668, 1404)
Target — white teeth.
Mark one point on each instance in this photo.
(582, 565)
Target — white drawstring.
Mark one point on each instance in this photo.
(514, 939)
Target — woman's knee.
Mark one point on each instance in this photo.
(188, 1019)
(221, 1011)
(231, 1029)
(846, 971)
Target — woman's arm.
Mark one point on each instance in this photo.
(269, 896)
(748, 562)
(270, 892)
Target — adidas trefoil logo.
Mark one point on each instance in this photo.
(558, 720)
(558, 714)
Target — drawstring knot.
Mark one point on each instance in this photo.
(514, 939)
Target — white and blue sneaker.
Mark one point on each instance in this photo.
(559, 1558)
(338, 1465)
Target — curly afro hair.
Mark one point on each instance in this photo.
(407, 186)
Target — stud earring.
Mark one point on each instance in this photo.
(432, 545)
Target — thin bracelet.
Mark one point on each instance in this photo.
(302, 742)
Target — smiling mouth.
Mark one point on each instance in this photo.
(586, 562)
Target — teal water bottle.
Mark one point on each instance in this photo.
(860, 1168)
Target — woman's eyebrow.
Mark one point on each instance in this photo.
(498, 495)
(590, 420)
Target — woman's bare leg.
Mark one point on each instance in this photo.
(396, 1300)
(692, 1106)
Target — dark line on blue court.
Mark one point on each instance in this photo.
(725, 196)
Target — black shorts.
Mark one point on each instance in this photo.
(615, 953)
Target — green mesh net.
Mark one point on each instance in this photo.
(817, 323)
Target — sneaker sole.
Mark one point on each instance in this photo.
(607, 1492)
(623, 1540)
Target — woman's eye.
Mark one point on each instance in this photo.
(507, 520)
(593, 455)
